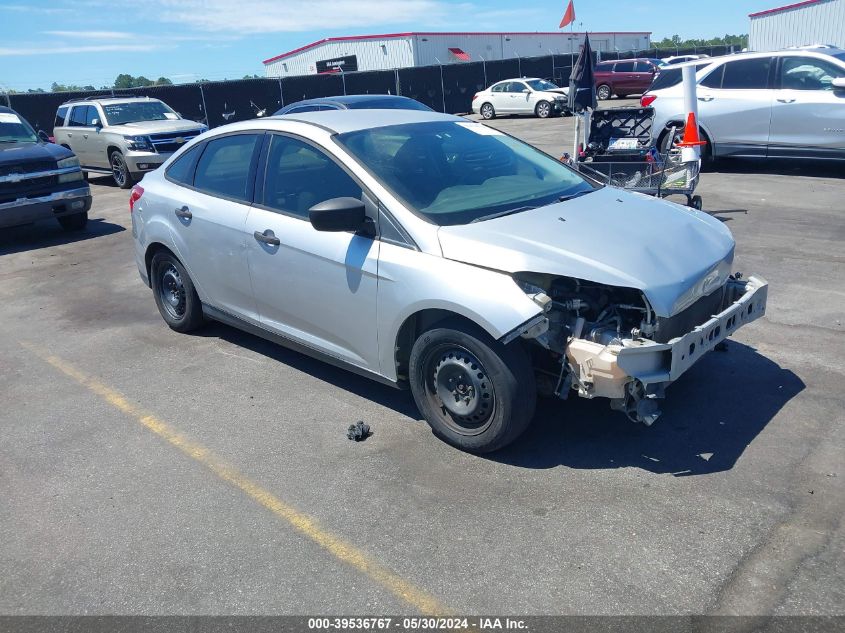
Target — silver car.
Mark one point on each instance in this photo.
(782, 104)
(425, 250)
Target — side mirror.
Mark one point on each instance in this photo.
(337, 215)
(43, 136)
(526, 90)
(839, 83)
(96, 123)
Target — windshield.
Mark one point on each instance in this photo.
(454, 172)
(134, 111)
(14, 129)
(541, 84)
(388, 104)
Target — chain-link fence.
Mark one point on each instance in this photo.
(447, 88)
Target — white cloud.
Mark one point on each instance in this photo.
(272, 16)
(23, 8)
(92, 35)
(65, 50)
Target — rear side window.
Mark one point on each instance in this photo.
(624, 67)
(742, 74)
(182, 169)
(61, 115)
(645, 67)
(669, 77)
(299, 176)
(225, 166)
(92, 114)
(78, 116)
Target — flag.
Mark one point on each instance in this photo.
(569, 16)
(582, 86)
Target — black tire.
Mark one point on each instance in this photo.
(120, 171)
(490, 387)
(696, 202)
(488, 111)
(543, 109)
(604, 92)
(664, 144)
(174, 293)
(74, 222)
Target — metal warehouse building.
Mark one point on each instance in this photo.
(800, 24)
(403, 50)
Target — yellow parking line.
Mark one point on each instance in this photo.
(304, 524)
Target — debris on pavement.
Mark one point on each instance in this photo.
(359, 431)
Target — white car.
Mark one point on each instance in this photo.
(680, 59)
(780, 104)
(521, 96)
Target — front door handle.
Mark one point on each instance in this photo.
(706, 99)
(786, 100)
(184, 213)
(268, 237)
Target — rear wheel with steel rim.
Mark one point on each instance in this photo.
(174, 292)
(603, 92)
(487, 111)
(119, 171)
(543, 109)
(474, 392)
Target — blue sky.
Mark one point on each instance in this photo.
(92, 41)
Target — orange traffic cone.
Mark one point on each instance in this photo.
(691, 138)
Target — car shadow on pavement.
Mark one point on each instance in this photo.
(30, 237)
(779, 167)
(399, 400)
(710, 415)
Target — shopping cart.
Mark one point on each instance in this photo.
(659, 176)
(619, 151)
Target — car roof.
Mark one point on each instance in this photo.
(109, 100)
(809, 52)
(6, 110)
(518, 79)
(342, 121)
(347, 99)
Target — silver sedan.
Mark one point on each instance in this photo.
(426, 250)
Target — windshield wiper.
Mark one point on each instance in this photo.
(577, 194)
(500, 214)
(8, 140)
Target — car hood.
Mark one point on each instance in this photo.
(556, 92)
(22, 153)
(156, 127)
(611, 237)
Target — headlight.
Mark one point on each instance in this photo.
(71, 161)
(139, 143)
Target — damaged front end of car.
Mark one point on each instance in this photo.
(609, 342)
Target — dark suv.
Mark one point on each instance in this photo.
(625, 77)
(38, 180)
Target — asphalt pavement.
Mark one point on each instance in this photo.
(148, 472)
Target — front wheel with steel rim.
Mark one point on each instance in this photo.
(603, 92)
(543, 109)
(487, 111)
(119, 171)
(174, 292)
(474, 392)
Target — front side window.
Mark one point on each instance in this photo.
(14, 129)
(459, 172)
(516, 86)
(135, 111)
(541, 84)
(225, 166)
(299, 176)
(624, 67)
(808, 73)
(91, 116)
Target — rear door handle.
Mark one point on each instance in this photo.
(184, 213)
(268, 237)
(706, 99)
(786, 100)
